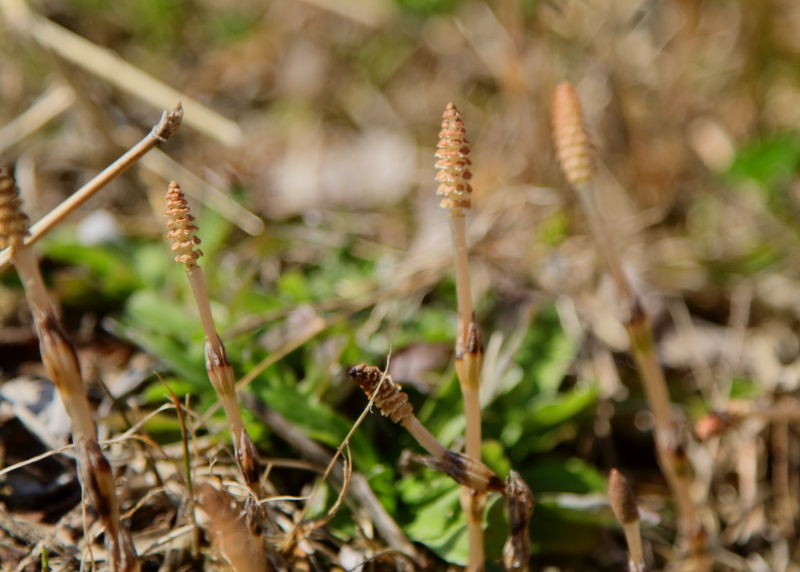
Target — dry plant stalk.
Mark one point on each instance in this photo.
(393, 403)
(227, 528)
(163, 130)
(519, 503)
(453, 177)
(623, 503)
(61, 362)
(181, 232)
(575, 156)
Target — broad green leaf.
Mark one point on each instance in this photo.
(441, 525)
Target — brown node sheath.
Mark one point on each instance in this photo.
(180, 230)
(390, 399)
(519, 504)
(469, 473)
(569, 133)
(453, 161)
(247, 458)
(61, 362)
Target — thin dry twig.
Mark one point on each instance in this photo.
(293, 536)
(359, 486)
(169, 123)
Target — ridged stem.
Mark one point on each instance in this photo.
(454, 175)
(575, 156)
(181, 231)
(61, 362)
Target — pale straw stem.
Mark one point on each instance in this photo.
(170, 121)
(633, 538)
(463, 293)
(424, 437)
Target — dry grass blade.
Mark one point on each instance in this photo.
(165, 166)
(56, 100)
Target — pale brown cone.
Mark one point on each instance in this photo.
(623, 501)
(569, 135)
(180, 228)
(390, 399)
(453, 161)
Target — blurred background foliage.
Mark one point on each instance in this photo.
(694, 108)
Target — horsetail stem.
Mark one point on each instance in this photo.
(575, 156)
(181, 231)
(453, 163)
(61, 363)
(623, 503)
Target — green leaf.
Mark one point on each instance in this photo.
(441, 525)
(547, 352)
(571, 475)
(768, 161)
(108, 265)
(552, 410)
(554, 531)
(151, 311)
(317, 420)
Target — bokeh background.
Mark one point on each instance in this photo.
(329, 112)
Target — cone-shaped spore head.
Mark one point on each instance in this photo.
(180, 228)
(569, 135)
(453, 162)
(13, 222)
(389, 398)
(623, 501)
